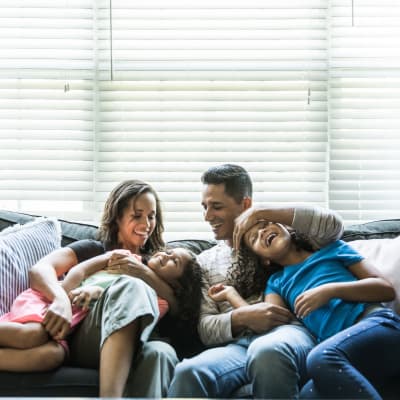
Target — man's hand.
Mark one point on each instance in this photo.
(243, 223)
(57, 321)
(260, 317)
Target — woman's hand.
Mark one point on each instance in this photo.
(82, 296)
(128, 264)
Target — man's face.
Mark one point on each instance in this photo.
(220, 210)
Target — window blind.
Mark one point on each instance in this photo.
(364, 113)
(201, 83)
(302, 93)
(46, 107)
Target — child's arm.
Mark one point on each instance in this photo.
(86, 268)
(83, 296)
(370, 287)
(133, 267)
(274, 298)
(220, 292)
(81, 271)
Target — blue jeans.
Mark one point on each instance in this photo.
(348, 364)
(274, 363)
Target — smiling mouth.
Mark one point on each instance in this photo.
(215, 226)
(141, 233)
(269, 239)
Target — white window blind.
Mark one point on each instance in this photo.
(365, 109)
(305, 94)
(201, 83)
(46, 107)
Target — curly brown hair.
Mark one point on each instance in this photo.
(249, 274)
(188, 294)
(118, 200)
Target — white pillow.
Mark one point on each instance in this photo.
(21, 246)
(384, 254)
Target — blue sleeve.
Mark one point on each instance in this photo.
(346, 254)
(273, 285)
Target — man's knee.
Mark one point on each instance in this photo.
(192, 380)
(288, 343)
(186, 370)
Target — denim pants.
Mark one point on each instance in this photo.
(274, 363)
(348, 364)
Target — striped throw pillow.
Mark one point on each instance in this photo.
(21, 246)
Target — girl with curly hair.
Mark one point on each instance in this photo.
(336, 294)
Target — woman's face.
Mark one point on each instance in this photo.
(137, 222)
(169, 265)
(268, 240)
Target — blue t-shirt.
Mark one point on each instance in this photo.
(327, 265)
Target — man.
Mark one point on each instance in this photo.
(258, 343)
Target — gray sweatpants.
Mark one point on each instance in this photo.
(124, 301)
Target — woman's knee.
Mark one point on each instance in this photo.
(159, 350)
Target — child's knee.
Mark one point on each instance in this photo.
(32, 335)
(53, 355)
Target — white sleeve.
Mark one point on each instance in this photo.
(214, 326)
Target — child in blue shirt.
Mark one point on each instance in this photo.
(335, 293)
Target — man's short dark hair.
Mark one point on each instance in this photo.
(236, 179)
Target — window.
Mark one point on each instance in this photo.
(161, 90)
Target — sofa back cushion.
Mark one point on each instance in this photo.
(21, 246)
(384, 254)
(70, 230)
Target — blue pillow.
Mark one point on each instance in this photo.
(22, 246)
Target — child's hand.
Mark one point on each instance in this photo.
(82, 296)
(311, 299)
(220, 292)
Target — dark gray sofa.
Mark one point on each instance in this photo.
(70, 381)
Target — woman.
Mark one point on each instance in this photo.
(111, 334)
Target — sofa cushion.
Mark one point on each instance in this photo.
(195, 245)
(65, 382)
(382, 229)
(71, 231)
(21, 246)
(384, 254)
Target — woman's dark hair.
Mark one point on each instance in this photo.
(118, 200)
(249, 274)
(188, 293)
